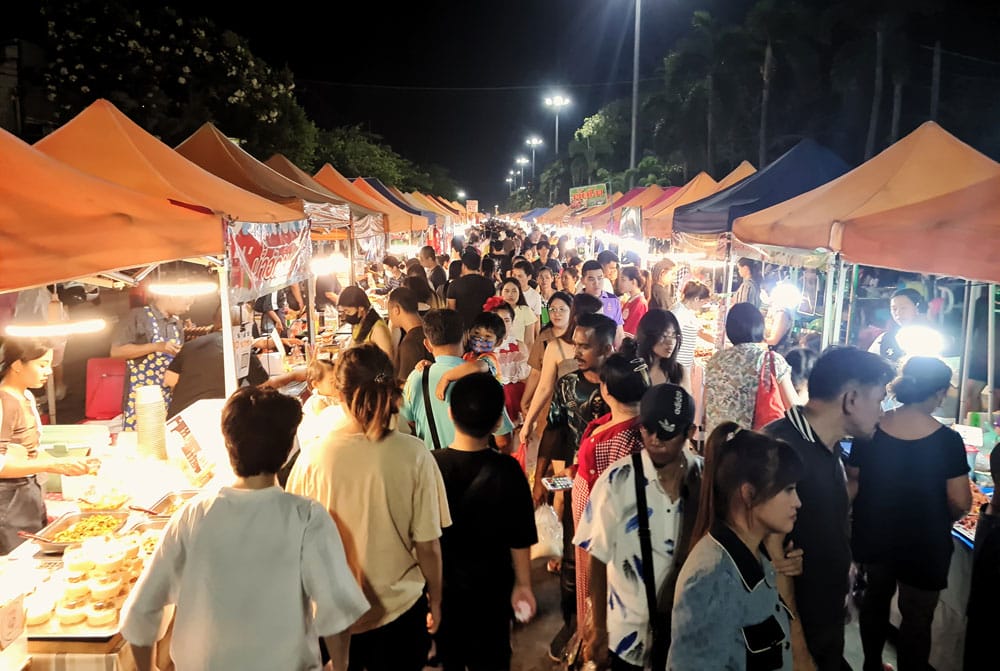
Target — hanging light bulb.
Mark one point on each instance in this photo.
(55, 330)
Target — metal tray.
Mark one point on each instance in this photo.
(154, 524)
(164, 504)
(68, 520)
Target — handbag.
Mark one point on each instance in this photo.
(768, 406)
(429, 408)
(657, 619)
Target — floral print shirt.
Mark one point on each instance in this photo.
(731, 379)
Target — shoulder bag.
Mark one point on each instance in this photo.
(769, 406)
(657, 619)
(429, 408)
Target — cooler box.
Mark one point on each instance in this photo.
(105, 388)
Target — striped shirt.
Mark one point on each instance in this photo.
(689, 333)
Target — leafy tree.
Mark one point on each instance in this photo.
(171, 74)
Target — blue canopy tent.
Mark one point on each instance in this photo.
(403, 205)
(535, 214)
(802, 168)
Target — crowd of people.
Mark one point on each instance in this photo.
(399, 533)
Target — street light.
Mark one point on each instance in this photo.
(557, 102)
(635, 83)
(461, 195)
(522, 161)
(510, 184)
(533, 142)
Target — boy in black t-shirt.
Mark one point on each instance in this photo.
(486, 550)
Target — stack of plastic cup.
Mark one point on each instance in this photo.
(150, 421)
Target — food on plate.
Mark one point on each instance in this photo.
(130, 546)
(105, 586)
(109, 561)
(75, 585)
(969, 522)
(101, 613)
(89, 527)
(71, 611)
(174, 506)
(150, 541)
(77, 559)
(38, 609)
(107, 500)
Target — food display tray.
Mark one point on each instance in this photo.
(161, 507)
(68, 520)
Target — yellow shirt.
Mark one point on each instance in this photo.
(384, 497)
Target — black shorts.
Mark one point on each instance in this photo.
(400, 645)
(474, 632)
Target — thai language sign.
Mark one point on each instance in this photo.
(588, 196)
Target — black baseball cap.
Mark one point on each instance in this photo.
(666, 410)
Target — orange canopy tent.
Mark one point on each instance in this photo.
(658, 218)
(415, 222)
(395, 220)
(422, 202)
(103, 142)
(58, 224)
(927, 163)
(555, 215)
(742, 171)
(364, 221)
(953, 235)
(216, 153)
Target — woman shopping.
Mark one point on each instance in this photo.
(912, 483)
(727, 612)
(24, 364)
(366, 324)
(658, 339)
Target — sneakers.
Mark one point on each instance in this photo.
(558, 645)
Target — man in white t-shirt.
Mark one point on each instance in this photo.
(609, 531)
(258, 575)
(524, 272)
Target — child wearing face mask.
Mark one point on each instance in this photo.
(513, 357)
(486, 333)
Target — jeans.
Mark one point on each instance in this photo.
(917, 609)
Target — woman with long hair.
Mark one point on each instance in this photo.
(912, 484)
(752, 280)
(693, 299)
(624, 380)
(560, 305)
(366, 324)
(661, 293)
(426, 298)
(727, 613)
(387, 497)
(24, 364)
(658, 339)
(525, 326)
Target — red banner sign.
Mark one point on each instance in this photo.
(266, 257)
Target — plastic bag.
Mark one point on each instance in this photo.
(550, 533)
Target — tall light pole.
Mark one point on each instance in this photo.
(635, 82)
(522, 161)
(557, 102)
(510, 185)
(533, 142)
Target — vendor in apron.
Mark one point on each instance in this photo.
(24, 364)
(148, 338)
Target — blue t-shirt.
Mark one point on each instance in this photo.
(414, 409)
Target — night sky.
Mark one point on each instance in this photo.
(408, 71)
(460, 84)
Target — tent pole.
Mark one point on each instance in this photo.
(968, 316)
(828, 304)
(728, 287)
(990, 347)
(228, 343)
(850, 301)
(313, 321)
(838, 308)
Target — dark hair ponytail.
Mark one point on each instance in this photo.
(922, 377)
(366, 380)
(735, 456)
(626, 377)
